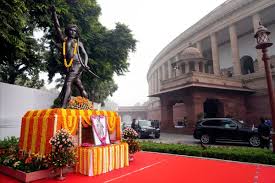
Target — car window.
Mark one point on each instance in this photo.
(144, 123)
(212, 123)
(238, 122)
(229, 124)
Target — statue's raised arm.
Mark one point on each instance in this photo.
(56, 24)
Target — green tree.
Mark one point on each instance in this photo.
(108, 50)
(20, 56)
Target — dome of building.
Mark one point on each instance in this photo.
(191, 53)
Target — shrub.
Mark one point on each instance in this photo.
(9, 142)
(244, 154)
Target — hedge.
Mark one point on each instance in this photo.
(243, 154)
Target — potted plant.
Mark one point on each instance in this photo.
(130, 135)
(63, 152)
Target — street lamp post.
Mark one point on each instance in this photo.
(263, 43)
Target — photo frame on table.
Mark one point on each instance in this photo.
(100, 130)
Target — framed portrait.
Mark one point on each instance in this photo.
(100, 130)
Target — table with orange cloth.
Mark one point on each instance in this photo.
(101, 159)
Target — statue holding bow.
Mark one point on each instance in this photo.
(72, 59)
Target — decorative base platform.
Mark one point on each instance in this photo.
(102, 159)
(32, 176)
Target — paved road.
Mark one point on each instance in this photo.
(171, 138)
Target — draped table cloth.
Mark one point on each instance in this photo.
(102, 159)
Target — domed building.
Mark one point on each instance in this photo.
(213, 68)
(189, 60)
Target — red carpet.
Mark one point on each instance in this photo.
(154, 167)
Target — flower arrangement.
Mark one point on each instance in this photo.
(11, 156)
(80, 103)
(26, 162)
(63, 153)
(134, 146)
(129, 135)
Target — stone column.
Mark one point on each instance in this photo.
(159, 78)
(195, 107)
(187, 67)
(163, 71)
(235, 50)
(198, 45)
(178, 70)
(203, 67)
(188, 101)
(256, 19)
(197, 66)
(215, 54)
(169, 69)
(155, 81)
(151, 84)
(160, 73)
(166, 121)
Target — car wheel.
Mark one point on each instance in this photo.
(205, 139)
(255, 141)
(157, 136)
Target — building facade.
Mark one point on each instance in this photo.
(213, 69)
(128, 113)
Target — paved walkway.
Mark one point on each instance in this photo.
(171, 138)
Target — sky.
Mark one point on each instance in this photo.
(154, 23)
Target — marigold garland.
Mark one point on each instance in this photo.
(80, 103)
(64, 54)
(70, 124)
(111, 123)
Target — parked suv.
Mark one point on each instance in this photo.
(209, 130)
(146, 128)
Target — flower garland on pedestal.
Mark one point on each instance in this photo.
(80, 103)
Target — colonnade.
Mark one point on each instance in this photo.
(166, 70)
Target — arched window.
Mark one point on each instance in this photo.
(247, 66)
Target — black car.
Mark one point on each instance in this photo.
(146, 128)
(209, 130)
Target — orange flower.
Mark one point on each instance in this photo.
(80, 103)
(28, 160)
